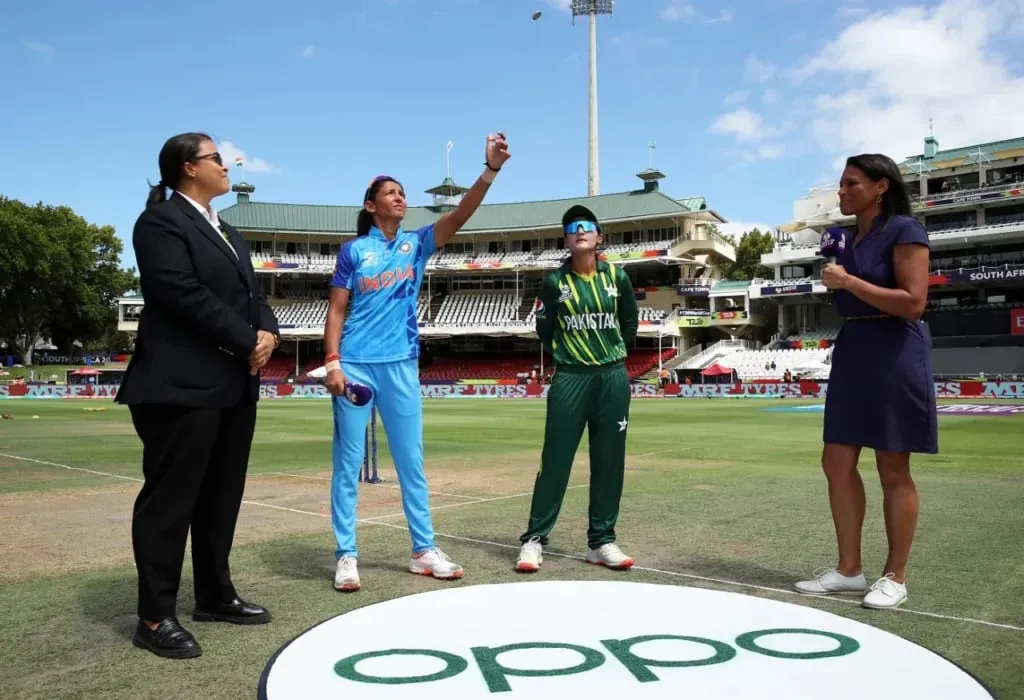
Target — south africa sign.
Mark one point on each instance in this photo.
(603, 639)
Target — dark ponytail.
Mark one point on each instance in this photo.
(176, 151)
(157, 194)
(364, 220)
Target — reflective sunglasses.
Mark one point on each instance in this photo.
(574, 227)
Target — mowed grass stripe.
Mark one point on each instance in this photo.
(715, 490)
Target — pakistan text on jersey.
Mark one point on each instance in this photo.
(373, 283)
(589, 322)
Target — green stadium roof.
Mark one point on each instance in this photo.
(489, 218)
(990, 149)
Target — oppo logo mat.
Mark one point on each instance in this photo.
(550, 640)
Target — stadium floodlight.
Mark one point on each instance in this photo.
(592, 8)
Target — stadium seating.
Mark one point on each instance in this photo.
(277, 369)
(478, 309)
(649, 315)
(325, 263)
(303, 314)
(751, 364)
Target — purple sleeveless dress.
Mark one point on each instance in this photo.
(881, 392)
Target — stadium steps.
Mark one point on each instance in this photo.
(526, 307)
(435, 306)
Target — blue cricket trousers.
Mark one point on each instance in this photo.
(396, 394)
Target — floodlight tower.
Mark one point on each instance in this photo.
(592, 8)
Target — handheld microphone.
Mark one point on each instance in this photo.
(833, 243)
(358, 394)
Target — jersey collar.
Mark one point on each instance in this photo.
(602, 265)
(379, 235)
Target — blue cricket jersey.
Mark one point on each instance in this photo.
(384, 279)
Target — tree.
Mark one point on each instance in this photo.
(59, 277)
(752, 245)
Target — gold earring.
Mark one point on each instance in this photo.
(878, 199)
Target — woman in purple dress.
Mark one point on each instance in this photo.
(881, 393)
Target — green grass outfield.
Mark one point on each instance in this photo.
(719, 494)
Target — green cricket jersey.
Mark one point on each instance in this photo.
(587, 320)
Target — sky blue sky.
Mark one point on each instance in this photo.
(749, 103)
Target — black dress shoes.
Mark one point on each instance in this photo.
(169, 640)
(236, 611)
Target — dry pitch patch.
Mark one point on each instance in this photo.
(60, 531)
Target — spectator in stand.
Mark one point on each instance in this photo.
(191, 387)
(881, 393)
(371, 338)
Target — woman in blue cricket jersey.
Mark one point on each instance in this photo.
(372, 317)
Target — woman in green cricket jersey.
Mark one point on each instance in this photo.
(586, 318)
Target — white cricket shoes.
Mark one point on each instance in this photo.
(611, 556)
(434, 562)
(346, 575)
(531, 556)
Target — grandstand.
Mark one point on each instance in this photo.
(476, 305)
(971, 201)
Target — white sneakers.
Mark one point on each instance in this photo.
(346, 575)
(884, 593)
(530, 556)
(432, 562)
(609, 555)
(436, 563)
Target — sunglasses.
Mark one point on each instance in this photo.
(574, 227)
(215, 157)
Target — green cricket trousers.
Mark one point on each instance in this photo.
(596, 398)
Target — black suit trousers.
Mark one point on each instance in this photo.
(194, 461)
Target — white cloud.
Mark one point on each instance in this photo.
(230, 151)
(757, 71)
(561, 5)
(678, 10)
(874, 86)
(307, 51)
(39, 49)
(738, 228)
(757, 140)
(742, 124)
(897, 69)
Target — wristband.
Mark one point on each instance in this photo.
(332, 356)
(333, 365)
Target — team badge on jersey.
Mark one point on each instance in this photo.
(564, 293)
(611, 290)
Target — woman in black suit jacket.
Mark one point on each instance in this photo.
(192, 386)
